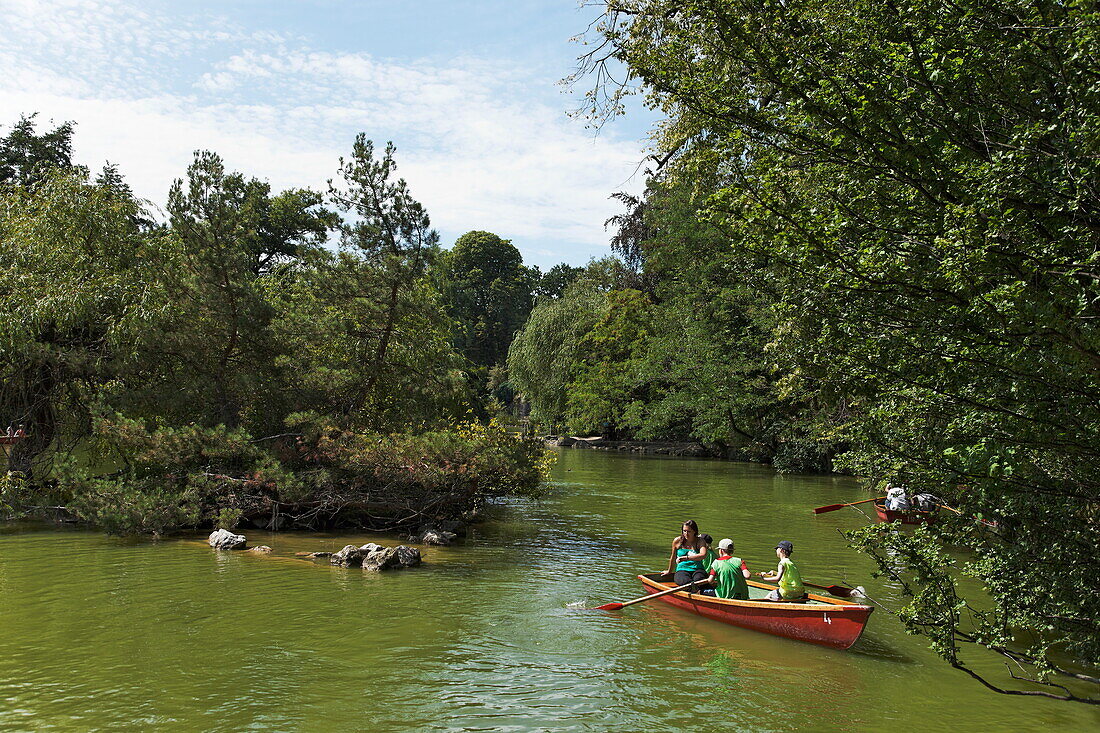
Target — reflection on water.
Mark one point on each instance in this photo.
(492, 634)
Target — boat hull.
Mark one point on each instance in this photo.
(832, 623)
(909, 516)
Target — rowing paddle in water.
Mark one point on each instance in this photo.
(616, 606)
(839, 591)
(834, 507)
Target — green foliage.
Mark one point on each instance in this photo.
(26, 157)
(327, 476)
(143, 359)
(487, 290)
(12, 491)
(909, 187)
(82, 286)
(543, 354)
(232, 234)
(553, 282)
(604, 389)
(329, 318)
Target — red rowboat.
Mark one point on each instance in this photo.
(10, 439)
(818, 620)
(907, 516)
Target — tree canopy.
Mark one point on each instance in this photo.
(905, 194)
(225, 366)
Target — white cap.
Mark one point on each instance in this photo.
(726, 544)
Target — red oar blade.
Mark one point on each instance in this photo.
(830, 508)
(608, 607)
(839, 591)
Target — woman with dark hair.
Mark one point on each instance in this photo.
(688, 551)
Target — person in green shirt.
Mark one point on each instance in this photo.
(787, 575)
(710, 557)
(728, 573)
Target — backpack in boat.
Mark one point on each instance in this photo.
(926, 502)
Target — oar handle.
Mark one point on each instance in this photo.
(658, 595)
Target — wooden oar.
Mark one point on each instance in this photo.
(834, 507)
(837, 590)
(616, 606)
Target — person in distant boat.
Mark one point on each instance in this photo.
(20, 433)
(711, 556)
(787, 575)
(10, 431)
(896, 500)
(728, 574)
(688, 551)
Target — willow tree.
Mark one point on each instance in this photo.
(917, 180)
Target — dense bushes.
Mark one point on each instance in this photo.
(322, 477)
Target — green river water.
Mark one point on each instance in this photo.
(99, 632)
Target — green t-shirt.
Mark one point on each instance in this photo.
(730, 582)
(710, 557)
(790, 585)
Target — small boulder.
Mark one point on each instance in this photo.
(381, 559)
(391, 558)
(260, 550)
(408, 556)
(452, 526)
(223, 539)
(349, 557)
(433, 536)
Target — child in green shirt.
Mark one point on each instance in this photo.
(728, 573)
(787, 575)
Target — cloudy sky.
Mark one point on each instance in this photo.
(468, 92)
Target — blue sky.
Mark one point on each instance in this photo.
(468, 91)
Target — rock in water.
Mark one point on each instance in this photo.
(391, 558)
(260, 550)
(223, 539)
(381, 559)
(432, 536)
(349, 557)
(408, 556)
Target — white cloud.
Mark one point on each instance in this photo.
(484, 145)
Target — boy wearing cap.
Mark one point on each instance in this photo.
(728, 573)
(787, 574)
